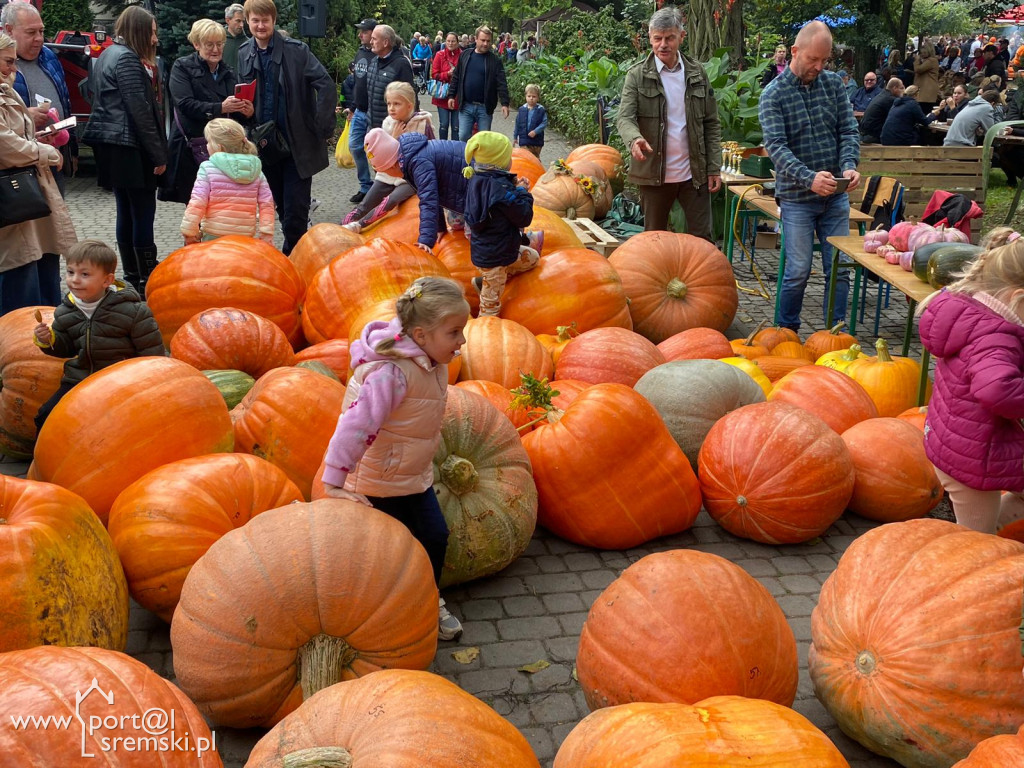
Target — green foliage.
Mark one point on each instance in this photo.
(737, 94)
(174, 21)
(74, 15)
(592, 31)
(953, 17)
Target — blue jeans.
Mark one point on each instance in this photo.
(446, 117)
(825, 217)
(421, 514)
(34, 284)
(356, 135)
(473, 113)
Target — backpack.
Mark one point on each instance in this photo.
(883, 200)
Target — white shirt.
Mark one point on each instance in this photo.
(677, 143)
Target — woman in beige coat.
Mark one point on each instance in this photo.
(30, 251)
(926, 77)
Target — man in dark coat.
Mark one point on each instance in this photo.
(874, 116)
(389, 65)
(477, 85)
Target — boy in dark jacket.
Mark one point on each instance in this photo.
(99, 323)
(531, 120)
(497, 209)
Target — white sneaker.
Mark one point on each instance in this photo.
(448, 627)
(354, 226)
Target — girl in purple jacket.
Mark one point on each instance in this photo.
(974, 433)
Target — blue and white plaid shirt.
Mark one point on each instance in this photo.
(807, 129)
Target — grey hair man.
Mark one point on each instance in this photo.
(234, 28)
(388, 66)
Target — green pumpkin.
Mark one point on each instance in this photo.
(946, 263)
(921, 256)
(233, 385)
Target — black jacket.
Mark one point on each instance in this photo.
(121, 327)
(874, 117)
(125, 111)
(309, 94)
(362, 65)
(902, 126)
(496, 209)
(381, 73)
(997, 67)
(495, 86)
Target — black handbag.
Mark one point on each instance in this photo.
(200, 150)
(270, 143)
(21, 197)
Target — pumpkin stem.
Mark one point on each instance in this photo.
(883, 351)
(321, 662)
(749, 341)
(852, 353)
(459, 475)
(866, 662)
(676, 288)
(835, 329)
(318, 757)
(566, 332)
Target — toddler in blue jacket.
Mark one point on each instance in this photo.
(531, 120)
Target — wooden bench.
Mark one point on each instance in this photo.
(593, 237)
(923, 170)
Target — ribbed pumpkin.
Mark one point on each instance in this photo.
(229, 338)
(833, 397)
(1005, 751)
(605, 355)
(574, 285)
(722, 731)
(568, 390)
(150, 411)
(371, 274)
(792, 349)
(915, 648)
(498, 396)
(608, 157)
(322, 243)
(895, 480)
(44, 682)
(333, 353)
(300, 598)
(163, 522)
(453, 251)
(556, 342)
(840, 359)
(915, 416)
(691, 395)
(603, 195)
(747, 348)
(776, 367)
(59, 574)
(772, 336)
(527, 165)
(891, 381)
(233, 271)
(402, 226)
(775, 473)
(484, 483)
(675, 282)
(395, 717)
(705, 625)
(28, 378)
(557, 234)
(288, 418)
(755, 373)
(832, 340)
(499, 350)
(696, 344)
(589, 461)
(562, 193)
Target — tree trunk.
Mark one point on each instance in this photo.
(733, 38)
(713, 24)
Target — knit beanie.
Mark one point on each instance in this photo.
(488, 148)
(381, 149)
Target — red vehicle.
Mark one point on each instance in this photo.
(75, 50)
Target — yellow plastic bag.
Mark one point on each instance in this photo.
(342, 156)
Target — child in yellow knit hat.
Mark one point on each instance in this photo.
(498, 207)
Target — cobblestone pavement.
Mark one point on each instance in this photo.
(535, 608)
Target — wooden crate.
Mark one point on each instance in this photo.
(593, 237)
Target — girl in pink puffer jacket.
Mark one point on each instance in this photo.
(973, 432)
(231, 196)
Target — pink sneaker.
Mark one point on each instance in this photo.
(351, 216)
(377, 213)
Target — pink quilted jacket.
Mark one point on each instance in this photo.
(230, 197)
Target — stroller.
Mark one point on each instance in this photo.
(419, 81)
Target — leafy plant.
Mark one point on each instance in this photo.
(737, 93)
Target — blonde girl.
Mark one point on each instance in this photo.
(231, 196)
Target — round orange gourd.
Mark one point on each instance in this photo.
(402, 225)
(589, 460)
(568, 390)
(840, 359)
(747, 348)
(556, 342)
(792, 349)
(557, 234)
(891, 381)
(300, 598)
(748, 367)
(288, 418)
(1003, 751)
(705, 622)
(833, 397)
(166, 520)
(675, 282)
(453, 251)
(915, 416)
(150, 411)
(59, 573)
(774, 473)
(775, 367)
(562, 193)
(773, 336)
(607, 157)
(499, 350)
(895, 480)
(395, 717)
(527, 165)
(28, 378)
(915, 649)
(696, 344)
(500, 397)
(832, 340)
(608, 355)
(229, 338)
(232, 271)
(333, 353)
(322, 243)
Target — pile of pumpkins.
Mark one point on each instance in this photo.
(934, 254)
(605, 404)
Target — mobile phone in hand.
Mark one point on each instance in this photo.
(841, 184)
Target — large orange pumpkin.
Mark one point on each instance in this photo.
(557, 234)
(705, 625)
(892, 381)
(500, 397)
(453, 251)
(395, 717)
(526, 165)
(333, 353)
(403, 225)
(915, 648)
(500, 350)
(608, 157)
(379, 271)
(774, 473)
(608, 355)
(298, 599)
(573, 285)
(563, 193)
(59, 573)
(126, 708)
(1005, 751)
(233, 271)
(149, 411)
(28, 378)
(229, 338)
(915, 416)
(319, 246)
(589, 461)
(163, 522)
(675, 282)
(288, 418)
(772, 336)
(832, 340)
(833, 397)
(696, 344)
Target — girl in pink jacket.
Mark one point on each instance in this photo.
(382, 451)
(231, 196)
(974, 434)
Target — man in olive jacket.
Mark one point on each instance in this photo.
(668, 118)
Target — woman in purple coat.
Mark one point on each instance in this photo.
(974, 433)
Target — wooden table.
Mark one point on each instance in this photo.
(915, 290)
(999, 138)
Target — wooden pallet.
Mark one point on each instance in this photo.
(593, 237)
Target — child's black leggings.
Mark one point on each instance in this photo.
(421, 514)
